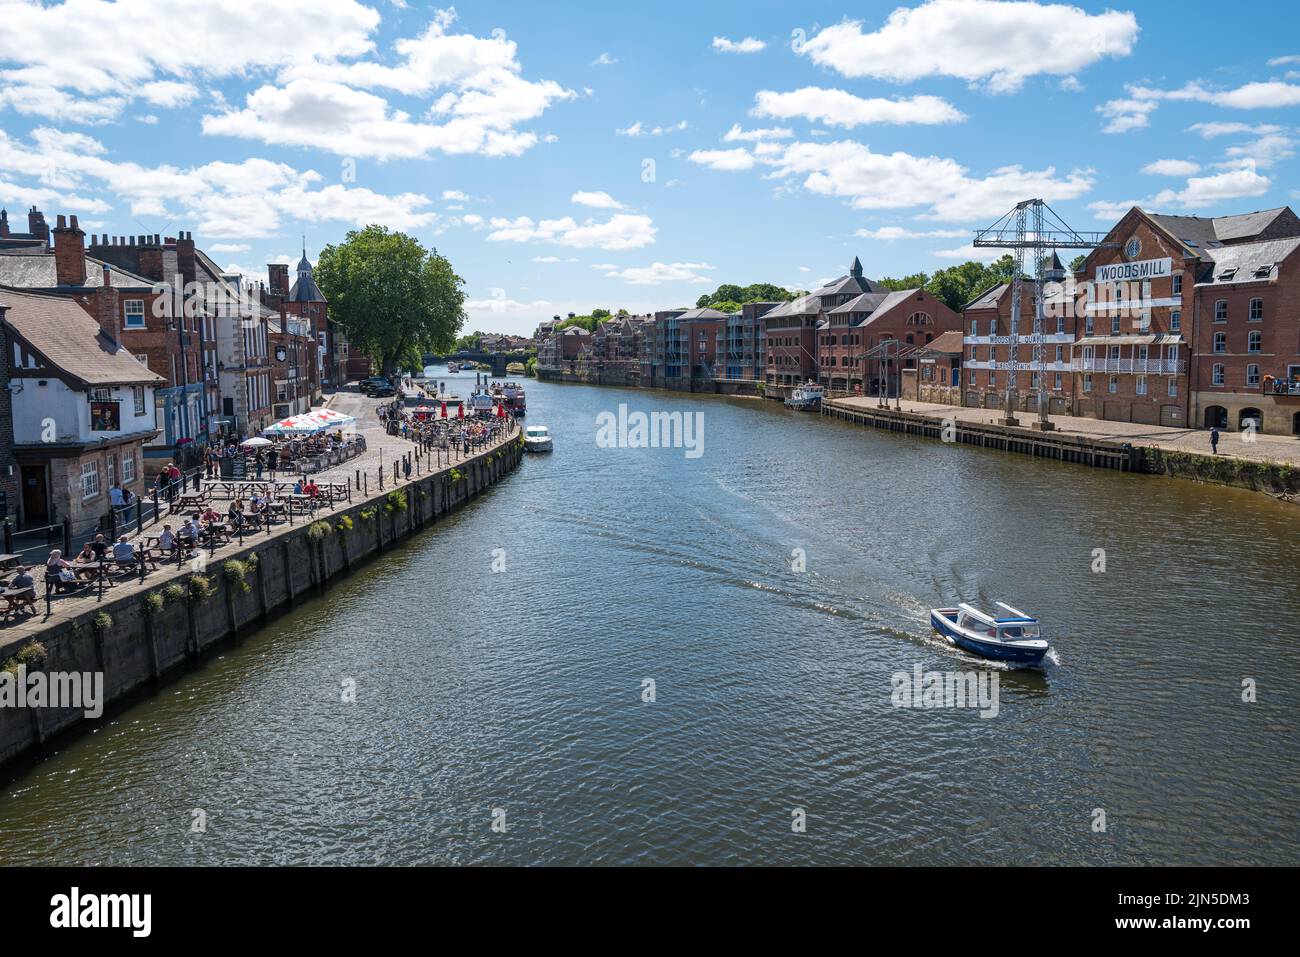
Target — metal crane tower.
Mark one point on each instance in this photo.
(1035, 227)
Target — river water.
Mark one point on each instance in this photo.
(515, 696)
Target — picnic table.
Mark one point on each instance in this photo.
(17, 599)
(189, 501)
(7, 560)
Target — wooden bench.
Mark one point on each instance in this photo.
(19, 599)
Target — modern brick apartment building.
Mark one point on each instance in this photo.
(791, 327)
(913, 318)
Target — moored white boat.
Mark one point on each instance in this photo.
(1014, 636)
(806, 396)
(453, 367)
(537, 438)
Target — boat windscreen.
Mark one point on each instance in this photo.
(1017, 632)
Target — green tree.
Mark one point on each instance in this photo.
(915, 281)
(393, 298)
(1077, 263)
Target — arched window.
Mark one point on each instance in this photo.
(920, 319)
(1221, 311)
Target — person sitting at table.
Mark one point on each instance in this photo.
(99, 547)
(297, 487)
(124, 552)
(23, 581)
(211, 515)
(59, 567)
(167, 540)
(187, 535)
(310, 488)
(236, 514)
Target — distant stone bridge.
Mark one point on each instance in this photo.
(497, 360)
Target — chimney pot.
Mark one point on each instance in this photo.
(61, 222)
(73, 221)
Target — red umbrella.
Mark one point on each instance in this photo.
(460, 411)
(444, 410)
(501, 412)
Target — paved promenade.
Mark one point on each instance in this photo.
(1283, 449)
(381, 448)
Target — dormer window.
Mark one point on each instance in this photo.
(1228, 274)
(1263, 272)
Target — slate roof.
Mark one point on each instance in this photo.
(1200, 232)
(1248, 259)
(809, 305)
(947, 342)
(305, 290)
(988, 299)
(27, 271)
(66, 335)
(705, 313)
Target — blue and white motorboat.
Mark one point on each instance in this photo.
(1011, 636)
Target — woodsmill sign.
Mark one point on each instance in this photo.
(1131, 272)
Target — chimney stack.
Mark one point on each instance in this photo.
(36, 224)
(69, 253)
(105, 306)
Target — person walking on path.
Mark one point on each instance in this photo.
(1214, 440)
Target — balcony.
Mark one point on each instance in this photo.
(1134, 366)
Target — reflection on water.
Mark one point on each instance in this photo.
(523, 690)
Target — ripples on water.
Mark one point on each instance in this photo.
(521, 690)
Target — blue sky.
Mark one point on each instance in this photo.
(572, 155)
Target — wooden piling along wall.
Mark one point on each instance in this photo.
(136, 639)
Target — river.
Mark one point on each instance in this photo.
(514, 696)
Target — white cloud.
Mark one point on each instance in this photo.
(1284, 60)
(621, 231)
(597, 199)
(1000, 44)
(549, 260)
(1268, 150)
(839, 108)
(892, 233)
(639, 129)
(604, 60)
(728, 160)
(470, 91)
(1144, 100)
(229, 247)
(737, 135)
(84, 61)
(898, 180)
(1211, 130)
(1125, 115)
(1208, 190)
(969, 252)
(221, 200)
(1112, 210)
(454, 196)
(1171, 167)
(499, 304)
(747, 45)
(658, 273)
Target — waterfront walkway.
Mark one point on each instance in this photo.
(1280, 449)
(383, 451)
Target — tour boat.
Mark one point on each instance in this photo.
(537, 439)
(1014, 636)
(453, 367)
(806, 396)
(514, 398)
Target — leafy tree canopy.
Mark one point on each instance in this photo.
(393, 298)
(730, 294)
